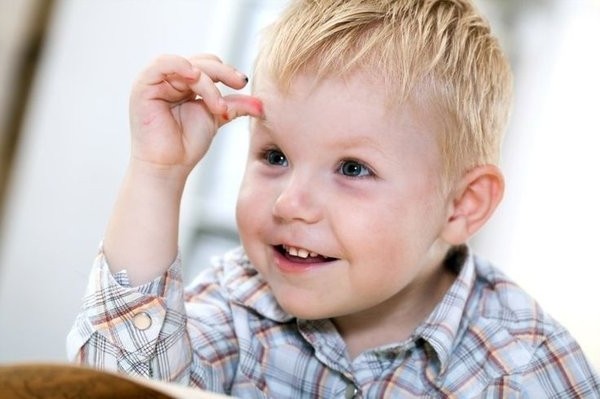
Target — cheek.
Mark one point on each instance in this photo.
(398, 228)
(253, 208)
(366, 231)
(243, 210)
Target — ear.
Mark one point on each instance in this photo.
(473, 201)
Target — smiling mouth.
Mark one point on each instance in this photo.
(302, 255)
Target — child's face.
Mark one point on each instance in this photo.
(340, 208)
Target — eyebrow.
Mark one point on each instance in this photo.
(262, 126)
(266, 123)
(349, 142)
(355, 141)
(265, 127)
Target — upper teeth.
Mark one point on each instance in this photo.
(299, 252)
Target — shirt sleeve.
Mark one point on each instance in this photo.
(139, 331)
(560, 370)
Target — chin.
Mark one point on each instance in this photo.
(300, 310)
(307, 310)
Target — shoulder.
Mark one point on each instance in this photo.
(499, 299)
(233, 282)
(212, 288)
(500, 308)
(513, 341)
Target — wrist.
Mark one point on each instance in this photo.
(142, 233)
(163, 177)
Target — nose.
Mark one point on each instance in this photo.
(297, 201)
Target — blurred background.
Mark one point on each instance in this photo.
(66, 67)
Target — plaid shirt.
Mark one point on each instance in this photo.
(485, 339)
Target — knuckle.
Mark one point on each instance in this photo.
(208, 56)
(163, 58)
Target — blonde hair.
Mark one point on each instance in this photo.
(439, 52)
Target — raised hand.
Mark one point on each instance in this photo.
(176, 109)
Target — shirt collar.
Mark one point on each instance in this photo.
(441, 328)
(249, 289)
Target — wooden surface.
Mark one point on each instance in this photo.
(63, 381)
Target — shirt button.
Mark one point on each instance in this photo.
(142, 321)
(351, 391)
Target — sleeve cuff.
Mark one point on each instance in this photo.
(132, 318)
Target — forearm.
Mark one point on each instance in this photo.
(175, 110)
(142, 233)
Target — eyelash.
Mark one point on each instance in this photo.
(365, 171)
(268, 152)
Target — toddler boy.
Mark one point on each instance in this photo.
(374, 140)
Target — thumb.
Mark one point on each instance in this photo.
(240, 105)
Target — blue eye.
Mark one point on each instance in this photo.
(275, 157)
(354, 169)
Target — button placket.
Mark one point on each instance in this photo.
(351, 391)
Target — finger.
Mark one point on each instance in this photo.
(210, 94)
(166, 91)
(241, 105)
(176, 89)
(220, 72)
(167, 66)
(178, 83)
(205, 56)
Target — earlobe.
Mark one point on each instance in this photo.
(474, 200)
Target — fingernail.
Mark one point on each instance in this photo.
(244, 77)
(258, 107)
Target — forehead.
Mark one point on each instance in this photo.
(358, 86)
(356, 105)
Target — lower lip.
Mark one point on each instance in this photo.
(289, 266)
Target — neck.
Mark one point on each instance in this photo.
(394, 320)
